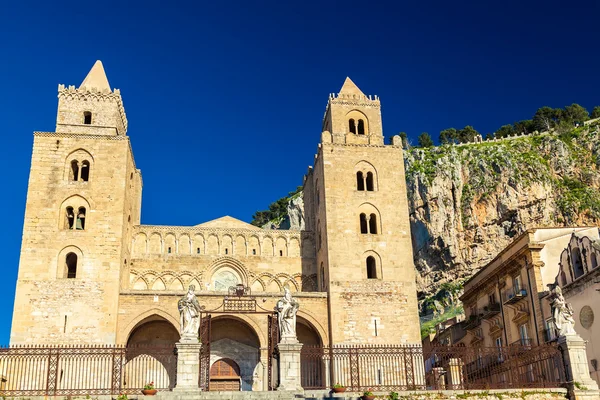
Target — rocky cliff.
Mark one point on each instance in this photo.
(469, 201)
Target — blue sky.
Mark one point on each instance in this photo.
(225, 99)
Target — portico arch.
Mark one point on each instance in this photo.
(233, 338)
(147, 316)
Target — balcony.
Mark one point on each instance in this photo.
(522, 344)
(473, 322)
(514, 295)
(491, 310)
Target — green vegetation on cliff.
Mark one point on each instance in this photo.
(277, 210)
(567, 160)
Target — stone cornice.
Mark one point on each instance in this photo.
(88, 136)
(197, 229)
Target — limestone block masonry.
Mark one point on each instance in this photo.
(188, 367)
(90, 273)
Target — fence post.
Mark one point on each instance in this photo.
(52, 372)
(117, 370)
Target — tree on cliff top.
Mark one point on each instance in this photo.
(425, 140)
(596, 112)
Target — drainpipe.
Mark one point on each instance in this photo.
(537, 331)
(504, 327)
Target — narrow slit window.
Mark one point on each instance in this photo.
(361, 127)
(371, 268)
(198, 250)
(74, 170)
(169, 250)
(352, 126)
(373, 224)
(87, 118)
(363, 224)
(253, 252)
(280, 253)
(80, 224)
(370, 183)
(226, 251)
(360, 181)
(85, 171)
(71, 265)
(69, 218)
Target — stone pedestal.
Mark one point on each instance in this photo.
(582, 386)
(289, 364)
(188, 365)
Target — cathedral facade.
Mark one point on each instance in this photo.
(91, 273)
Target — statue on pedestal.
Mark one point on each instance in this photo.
(286, 308)
(562, 314)
(189, 314)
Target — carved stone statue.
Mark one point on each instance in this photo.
(562, 314)
(286, 308)
(189, 314)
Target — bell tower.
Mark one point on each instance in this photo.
(93, 108)
(353, 117)
(356, 198)
(83, 198)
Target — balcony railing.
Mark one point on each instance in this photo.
(473, 322)
(513, 295)
(491, 310)
(522, 344)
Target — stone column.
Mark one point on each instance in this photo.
(581, 385)
(188, 365)
(289, 364)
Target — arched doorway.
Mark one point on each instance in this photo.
(313, 371)
(149, 354)
(234, 343)
(225, 376)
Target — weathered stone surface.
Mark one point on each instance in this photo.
(468, 202)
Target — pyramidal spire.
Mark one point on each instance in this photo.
(350, 87)
(96, 78)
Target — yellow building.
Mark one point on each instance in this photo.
(505, 302)
(91, 273)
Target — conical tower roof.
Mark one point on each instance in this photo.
(96, 78)
(350, 87)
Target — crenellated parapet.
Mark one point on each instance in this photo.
(93, 94)
(152, 240)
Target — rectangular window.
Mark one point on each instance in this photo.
(550, 330)
(517, 284)
(524, 336)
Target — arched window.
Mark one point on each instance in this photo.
(71, 265)
(370, 185)
(594, 260)
(576, 263)
(373, 224)
(69, 218)
(74, 170)
(85, 171)
(363, 223)
(352, 125)
(80, 224)
(87, 118)
(361, 127)
(563, 278)
(371, 268)
(360, 181)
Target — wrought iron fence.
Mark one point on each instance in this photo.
(359, 368)
(84, 370)
(386, 368)
(494, 367)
